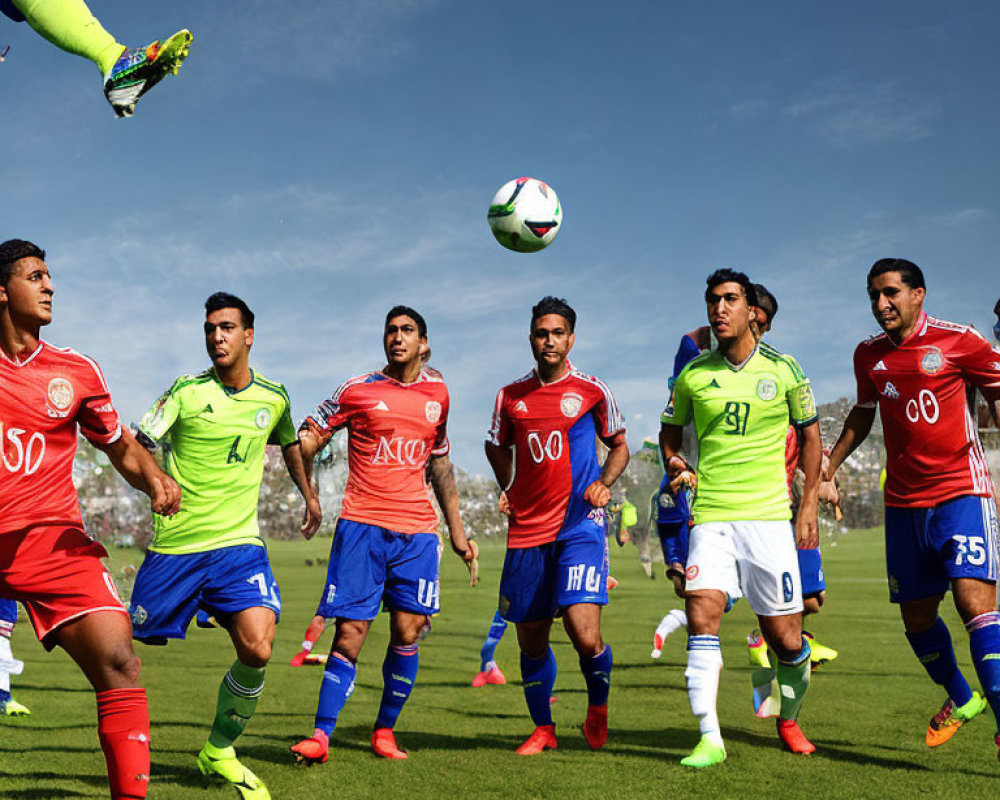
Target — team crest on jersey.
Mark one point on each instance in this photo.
(767, 389)
(432, 410)
(263, 419)
(139, 615)
(891, 392)
(691, 572)
(570, 404)
(666, 501)
(932, 361)
(60, 394)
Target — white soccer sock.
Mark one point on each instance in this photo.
(702, 676)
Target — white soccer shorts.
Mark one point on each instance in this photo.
(756, 560)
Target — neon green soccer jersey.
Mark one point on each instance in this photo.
(741, 416)
(214, 441)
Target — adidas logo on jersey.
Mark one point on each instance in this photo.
(880, 367)
(714, 384)
(380, 406)
(521, 407)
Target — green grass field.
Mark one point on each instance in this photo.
(866, 712)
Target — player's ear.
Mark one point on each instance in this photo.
(572, 341)
(424, 347)
(248, 336)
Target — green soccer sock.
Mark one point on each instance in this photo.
(69, 25)
(238, 694)
(793, 681)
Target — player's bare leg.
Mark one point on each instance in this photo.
(338, 684)
(538, 677)
(704, 609)
(252, 633)
(931, 643)
(101, 644)
(784, 635)
(583, 626)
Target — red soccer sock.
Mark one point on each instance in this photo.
(123, 728)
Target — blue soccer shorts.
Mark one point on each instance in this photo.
(538, 582)
(811, 571)
(8, 610)
(170, 588)
(927, 548)
(370, 566)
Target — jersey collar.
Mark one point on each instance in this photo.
(743, 363)
(229, 390)
(918, 330)
(21, 362)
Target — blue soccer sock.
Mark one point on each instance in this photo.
(497, 629)
(597, 673)
(934, 650)
(399, 673)
(538, 677)
(4, 696)
(984, 641)
(337, 686)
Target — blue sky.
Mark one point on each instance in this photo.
(328, 160)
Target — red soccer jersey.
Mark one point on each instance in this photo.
(932, 442)
(393, 430)
(44, 399)
(551, 427)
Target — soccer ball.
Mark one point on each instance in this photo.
(525, 215)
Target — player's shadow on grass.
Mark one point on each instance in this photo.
(52, 689)
(56, 780)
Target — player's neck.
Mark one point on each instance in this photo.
(737, 350)
(17, 341)
(550, 373)
(403, 373)
(897, 337)
(237, 377)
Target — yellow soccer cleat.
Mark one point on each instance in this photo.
(221, 763)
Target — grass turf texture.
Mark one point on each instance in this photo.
(866, 712)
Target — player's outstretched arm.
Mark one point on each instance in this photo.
(138, 467)
(810, 462)
(599, 492)
(857, 426)
(443, 481)
(295, 465)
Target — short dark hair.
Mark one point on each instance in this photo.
(766, 301)
(554, 305)
(14, 250)
(996, 308)
(406, 311)
(909, 273)
(726, 275)
(221, 300)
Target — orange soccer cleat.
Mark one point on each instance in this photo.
(543, 738)
(314, 750)
(595, 727)
(384, 744)
(793, 738)
(492, 676)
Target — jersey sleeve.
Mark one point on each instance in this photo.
(678, 410)
(331, 415)
(500, 432)
(607, 416)
(867, 391)
(441, 444)
(160, 418)
(97, 417)
(801, 403)
(980, 363)
(283, 433)
(687, 351)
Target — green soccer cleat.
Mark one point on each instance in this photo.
(139, 70)
(819, 653)
(705, 754)
(12, 708)
(221, 763)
